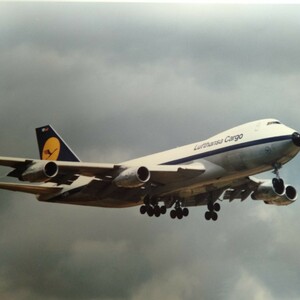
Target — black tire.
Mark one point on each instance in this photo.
(208, 215)
(185, 212)
(157, 211)
(150, 211)
(217, 207)
(143, 209)
(179, 213)
(163, 210)
(214, 216)
(173, 214)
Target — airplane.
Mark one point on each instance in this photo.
(199, 174)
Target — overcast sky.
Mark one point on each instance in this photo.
(125, 80)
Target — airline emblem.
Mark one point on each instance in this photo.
(51, 149)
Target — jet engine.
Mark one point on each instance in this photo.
(267, 193)
(40, 171)
(132, 177)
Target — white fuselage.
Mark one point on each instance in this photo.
(244, 138)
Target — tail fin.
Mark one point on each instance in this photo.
(52, 146)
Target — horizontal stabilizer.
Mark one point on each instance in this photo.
(29, 188)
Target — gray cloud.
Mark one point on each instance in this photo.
(119, 81)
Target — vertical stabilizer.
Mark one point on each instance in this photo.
(52, 146)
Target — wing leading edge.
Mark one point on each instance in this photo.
(161, 174)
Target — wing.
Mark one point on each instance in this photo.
(59, 172)
(62, 172)
(274, 191)
(225, 190)
(161, 174)
(14, 162)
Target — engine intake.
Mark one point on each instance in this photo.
(40, 171)
(268, 194)
(132, 177)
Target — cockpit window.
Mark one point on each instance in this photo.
(273, 122)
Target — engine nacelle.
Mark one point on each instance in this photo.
(132, 177)
(267, 193)
(40, 171)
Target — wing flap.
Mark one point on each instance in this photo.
(29, 188)
(241, 189)
(165, 174)
(85, 169)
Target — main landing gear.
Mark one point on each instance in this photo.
(211, 214)
(152, 208)
(179, 212)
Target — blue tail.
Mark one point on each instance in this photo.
(52, 146)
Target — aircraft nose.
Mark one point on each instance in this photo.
(296, 138)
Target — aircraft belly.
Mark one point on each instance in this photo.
(107, 203)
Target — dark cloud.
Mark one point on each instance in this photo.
(122, 80)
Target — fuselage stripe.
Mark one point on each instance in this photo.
(227, 149)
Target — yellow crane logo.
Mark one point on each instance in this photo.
(51, 149)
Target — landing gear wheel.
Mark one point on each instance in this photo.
(185, 212)
(179, 213)
(163, 210)
(208, 215)
(217, 207)
(173, 214)
(143, 209)
(213, 208)
(150, 211)
(157, 211)
(214, 216)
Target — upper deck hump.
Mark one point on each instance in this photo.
(240, 134)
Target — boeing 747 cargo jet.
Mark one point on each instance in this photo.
(199, 174)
